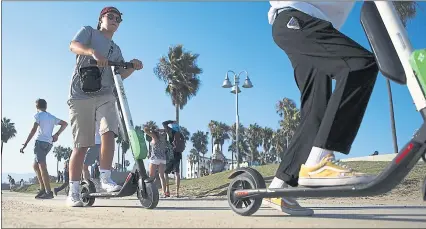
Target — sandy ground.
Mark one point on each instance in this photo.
(22, 210)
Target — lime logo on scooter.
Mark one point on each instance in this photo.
(418, 63)
(123, 93)
(421, 57)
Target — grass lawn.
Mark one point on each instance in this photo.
(216, 184)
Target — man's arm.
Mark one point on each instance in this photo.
(80, 42)
(31, 135)
(150, 133)
(63, 125)
(125, 72)
(80, 49)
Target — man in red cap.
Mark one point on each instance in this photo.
(91, 98)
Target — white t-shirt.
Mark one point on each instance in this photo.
(334, 12)
(46, 122)
(97, 135)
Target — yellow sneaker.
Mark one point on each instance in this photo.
(288, 206)
(330, 172)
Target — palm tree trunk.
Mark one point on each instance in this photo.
(212, 145)
(395, 143)
(57, 167)
(232, 160)
(177, 120)
(198, 169)
(2, 147)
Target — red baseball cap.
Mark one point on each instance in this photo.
(105, 10)
(110, 9)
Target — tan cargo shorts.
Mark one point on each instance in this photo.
(85, 113)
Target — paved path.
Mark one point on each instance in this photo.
(22, 210)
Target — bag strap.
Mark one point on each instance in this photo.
(111, 48)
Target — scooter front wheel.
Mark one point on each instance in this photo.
(243, 206)
(151, 198)
(86, 188)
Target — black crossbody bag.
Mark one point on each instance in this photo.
(90, 77)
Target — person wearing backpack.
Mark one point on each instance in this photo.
(177, 140)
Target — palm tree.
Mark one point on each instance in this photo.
(219, 133)
(279, 143)
(213, 126)
(8, 131)
(267, 134)
(406, 10)
(200, 141)
(59, 152)
(243, 148)
(287, 110)
(67, 153)
(180, 72)
(193, 157)
(254, 139)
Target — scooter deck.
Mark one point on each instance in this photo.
(382, 183)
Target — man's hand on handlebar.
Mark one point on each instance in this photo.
(137, 64)
(102, 61)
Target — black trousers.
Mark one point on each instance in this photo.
(319, 53)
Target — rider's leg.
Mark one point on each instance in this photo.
(108, 128)
(82, 116)
(326, 53)
(340, 125)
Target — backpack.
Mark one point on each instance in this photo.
(178, 142)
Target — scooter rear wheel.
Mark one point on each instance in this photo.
(152, 196)
(245, 206)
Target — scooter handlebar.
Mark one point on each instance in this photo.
(114, 63)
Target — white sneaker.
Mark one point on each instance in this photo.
(74, 200)
(109, 185)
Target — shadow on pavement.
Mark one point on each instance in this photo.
(189, 208)
(368, 207)
(398, 217)
(192, 199)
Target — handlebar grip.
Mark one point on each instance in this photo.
(114, 63)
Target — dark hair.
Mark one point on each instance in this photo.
(41, 104)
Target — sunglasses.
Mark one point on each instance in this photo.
(117, 18)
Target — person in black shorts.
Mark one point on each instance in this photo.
(173, 165)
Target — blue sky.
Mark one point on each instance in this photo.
(228, 36)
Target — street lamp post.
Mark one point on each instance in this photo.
(236, 90)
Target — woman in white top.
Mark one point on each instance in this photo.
(157, 155)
